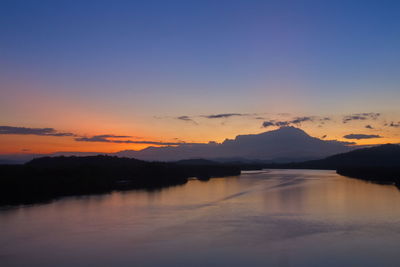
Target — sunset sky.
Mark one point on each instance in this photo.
(107, 76)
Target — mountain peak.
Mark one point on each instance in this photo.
(287, 132)
(290, 129)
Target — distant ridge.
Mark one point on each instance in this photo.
(379, 164)
(286, 144)
(382, 155)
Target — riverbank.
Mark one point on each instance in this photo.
(376, 174)
(47, 178)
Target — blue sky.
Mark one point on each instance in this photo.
(128, 61)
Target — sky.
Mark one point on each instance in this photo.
(107, 76)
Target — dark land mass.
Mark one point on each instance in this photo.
(46, 178)
(380, 164)
(286, 144)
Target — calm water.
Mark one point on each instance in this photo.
(275, 218)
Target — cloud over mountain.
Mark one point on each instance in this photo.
(295, 121)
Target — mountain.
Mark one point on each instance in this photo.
(284, 144)
(287, 144)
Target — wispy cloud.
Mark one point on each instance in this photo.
(361, 136)
(224, 115)
(186, 118)
(111, 139)
(393, 124)
(32, 131)
(104, 138)
(299, 120)
(192, 119)
(361, 116)
(294, 121)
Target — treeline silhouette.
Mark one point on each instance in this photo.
(380, 164)
(45, 178)
(382, 175)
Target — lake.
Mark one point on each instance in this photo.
(260, 218)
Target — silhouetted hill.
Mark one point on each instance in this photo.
(196, 162)
(73, 161)
(383, 155)
(49, 177)
(8, 161)
(289, 143)
(379, 164)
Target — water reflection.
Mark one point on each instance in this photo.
(278, 217)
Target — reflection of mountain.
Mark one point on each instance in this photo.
(286, 143)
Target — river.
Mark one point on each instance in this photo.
(260, 218)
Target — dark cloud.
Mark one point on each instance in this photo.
(224, 115)
(113, 136)
(369, 126)
(393, 124)
(361, 136)
(105, 138)
(361, 116)
(257, 116)
(268, 123)
(324, 120)
(296, 120)
(274, 123)
(186, 118)
(324, 136)
(216, 116)
(32, 131)
(102, 138)
(281, 123)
